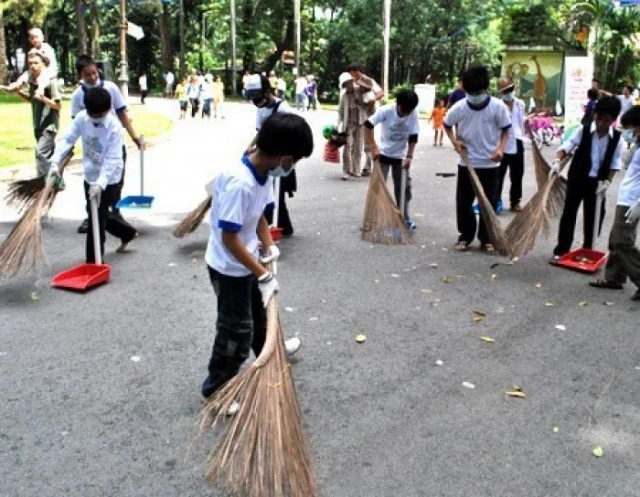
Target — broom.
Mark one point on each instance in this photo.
(22, 250)
(191, 222)
(383, 222)
(489, 216)
(21, 194)
(559, 191)
(263, 450)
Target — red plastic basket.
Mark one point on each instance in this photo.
(331, 153)
(583, 260)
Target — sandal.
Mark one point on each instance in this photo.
(488, 248)
(600, 283)
(462, 246)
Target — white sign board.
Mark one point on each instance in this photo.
(135, 31)
(578, 75)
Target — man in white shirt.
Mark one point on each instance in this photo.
(483, 126)
(144, 88)
(301, 96)
(169, 79)
(400, 129)
(626, 98)
(624, 257)
(101, 135)
(597, 152)
(36, 39)
(513, 159)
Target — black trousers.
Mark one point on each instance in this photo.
(143, 95)
(108, 222)
(241, 326)
(195, 105)
(465, 195)
(284, 221)
(582, 191)
(395, 165)
(515, 164)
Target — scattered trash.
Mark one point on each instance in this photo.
(488, 339)
(439, 362)
(445, 249)
(584, 303)
(482, 314)
(433, 264)
(323, 301)
(609, 304)
(516, 393)
(394, 275)
(538, 285)
(172, 264)
(423, 246)
(418, 214)
(135, 358)
(561, 327)
(500, 310)
(494, 277)
(549, 304)
(314, 318)
(478, 319)
(376, 281)
(35, 296)
(361, 338)
(446, 279)
(426, 290)
(328, 343)
(288, 309)
(466, 384)
(555, 429)
(598, 451)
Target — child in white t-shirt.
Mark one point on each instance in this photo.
(483, 130)
(241, 192)
(400, 129)
(101, 135)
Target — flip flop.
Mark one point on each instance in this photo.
(488, 248)
(462, 246)
(605, 284)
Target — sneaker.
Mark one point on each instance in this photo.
(84, 227)
(344, 177)
(554, 259)
(411, 224)
(516, 208)
(292, 346)
(366, 173)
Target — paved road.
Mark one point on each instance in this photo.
(99, 393)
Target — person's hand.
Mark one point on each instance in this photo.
(137, 141)
(268, 285)
(527, 126)
(633, 214)
(375, 152)
(54, 172)
(555, 169)
(458, 145)
(39, 95)
(603, 186)
(497, 155)
(406, 163)
(95, 192)
(272, 254)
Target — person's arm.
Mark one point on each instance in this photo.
(498, 153)
(65, 143)
(54, 104)
(264, 234)
(451, 120)
(111, 158)
(371, 140)
(123, 116)
(569, 145)
(413, 139)
(252, 144)
(606, 93)
(341, 107)
(233, 244)
(616, 161)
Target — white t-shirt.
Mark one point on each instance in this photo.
(301, 84)
(117, 101)
(101, 148)
(142, 81)
(169, 78)
(480, 130)
(265, 112)
(206, 91)
(240, 196)
(629, 190)
(282, 85)
(625, 103)
(598, 149)
(395, 130)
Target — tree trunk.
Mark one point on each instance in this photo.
(96, 50)
(248, 35)
(81, 28)
(165, 38)
(285, 43)
(3, 50)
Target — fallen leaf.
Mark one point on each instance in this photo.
(313, 318)
(439, 362)
(467, 384)
(426, 290)
(480, 313)
(478, 319)
(135, 358)
(549, 304)
(361, 338)
(394, 275)
(609, 304)
(35, 296)
(555, 429)
(598, 451)
(172, 264)
(446, 279)
(584, 303)
(433, 264)
(538, 285)
(516, 388)
(288, 309)
(494, 277)
(517, 394)
(488, 339)
(561, 327)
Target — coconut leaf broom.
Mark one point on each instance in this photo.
(191, 222)
(383, 222)
(262, 451)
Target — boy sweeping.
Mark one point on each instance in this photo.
(101, 135)
(241, 193)
(400, 129)
(624, 257)
(483, 130)
(597, 151)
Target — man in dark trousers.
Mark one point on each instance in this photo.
(597, 151)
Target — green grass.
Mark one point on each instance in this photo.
(17, 143)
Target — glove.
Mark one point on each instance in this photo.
(272, 254)
(633, 214)
(95, 192)
(555, 168)
(603, 186)
(54, 172)
(268, 285)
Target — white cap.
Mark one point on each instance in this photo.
(254, 83)
(345, 77)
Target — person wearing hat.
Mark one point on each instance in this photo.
(513, 158)
(260, 93)
(351, 116)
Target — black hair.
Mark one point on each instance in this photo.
(34, 52)
(631, 118)
(592, 94)
(407, 99)
(475, 79)
(355, 67)
(630, 88)
(264, 82)
(608, 106)
(83, 62)
(594, 80)
(285, 134)
(97, 101)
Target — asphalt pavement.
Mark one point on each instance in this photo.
(99, 392)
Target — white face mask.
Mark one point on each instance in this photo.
(477, 99)
(629, 135)
(280, 172)
(98, 121)
(507, 97)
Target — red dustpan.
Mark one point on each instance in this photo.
(586, 260)
(86, 276)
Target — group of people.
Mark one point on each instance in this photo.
(202, 93)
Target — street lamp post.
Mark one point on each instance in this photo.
(386, 40)
(233, 47)
(123, 78)
(296, 20)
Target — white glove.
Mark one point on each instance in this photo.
(54, 172)
(555, 168)
(95, 192)
(272, 254)
(268, 285)
(603, 186)
(633, 214)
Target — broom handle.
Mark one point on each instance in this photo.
(403, 190)
(97, 253)
(596, 220)
(276, 203)
(141, 165)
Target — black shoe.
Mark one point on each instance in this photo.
(287, 233)
(84, 227)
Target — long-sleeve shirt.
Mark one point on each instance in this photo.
(50, 71)
(598, 149)
(101, 146)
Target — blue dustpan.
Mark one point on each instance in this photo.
(141, 201)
